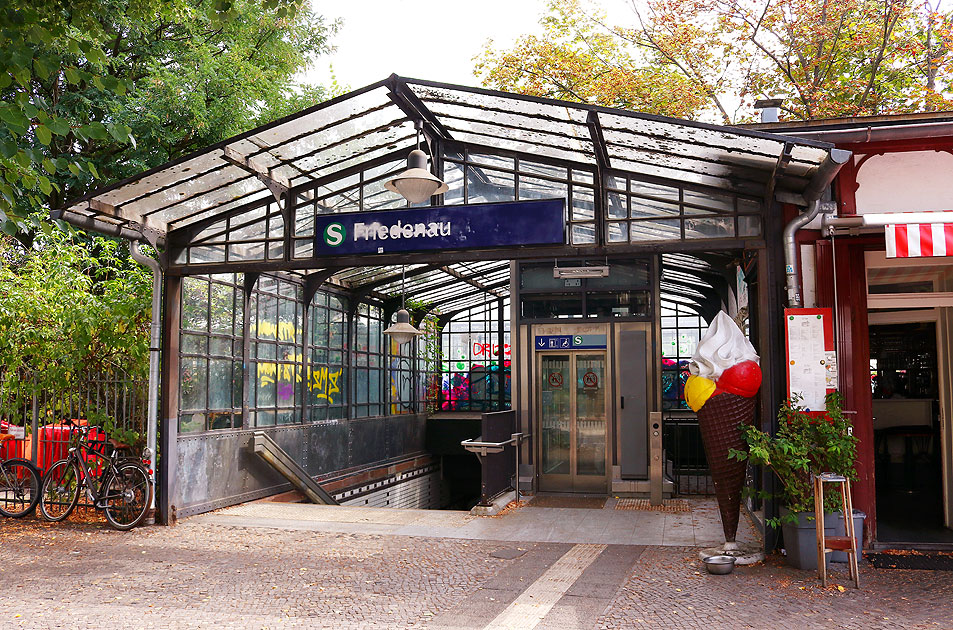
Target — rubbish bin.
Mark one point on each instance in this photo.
(841, 530)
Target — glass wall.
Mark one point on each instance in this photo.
(327, 374)
(681, 330)
(275, 352)
(210, 368)
(476, 365)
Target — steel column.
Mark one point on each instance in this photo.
(169, 411)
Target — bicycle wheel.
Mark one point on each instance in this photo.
(127, 495)
(60, 490)
(19, 487)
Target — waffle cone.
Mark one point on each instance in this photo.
(718, 421)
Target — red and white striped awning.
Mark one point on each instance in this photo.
(916, 240)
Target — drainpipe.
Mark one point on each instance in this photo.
(153, 406)
(822, 179)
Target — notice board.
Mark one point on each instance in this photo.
(811, 360)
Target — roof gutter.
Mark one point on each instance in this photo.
(875, 133)
(110, 229)
(836, 158)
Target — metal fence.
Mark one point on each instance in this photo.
(686, 464)
(114, 399)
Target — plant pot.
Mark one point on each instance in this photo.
(800, 538)
(839, 530)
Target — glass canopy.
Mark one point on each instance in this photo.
(628, 179)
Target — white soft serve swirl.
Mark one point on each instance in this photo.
(722, 346)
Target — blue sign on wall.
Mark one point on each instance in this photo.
(570, 342)
(475, 226)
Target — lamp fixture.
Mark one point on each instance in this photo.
(402, 331)
(602, 271)
(416, 184)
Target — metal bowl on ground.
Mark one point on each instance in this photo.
(719, 565)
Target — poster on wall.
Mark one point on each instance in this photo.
(811, 360)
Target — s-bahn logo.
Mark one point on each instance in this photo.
(334, 234)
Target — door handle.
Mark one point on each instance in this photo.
(623, 402)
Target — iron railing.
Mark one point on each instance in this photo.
(686, 464)
(116, 396)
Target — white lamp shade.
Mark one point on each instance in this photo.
(403, 331)
(416, 184)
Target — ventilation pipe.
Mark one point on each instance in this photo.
(153, 405)
(823, 177)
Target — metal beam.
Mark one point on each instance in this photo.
(415, 109)
(473, 283)
(784, 158)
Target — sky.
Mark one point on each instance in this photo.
(422, 39)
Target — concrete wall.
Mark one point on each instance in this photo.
(218, 469)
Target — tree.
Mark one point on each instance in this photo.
(577, 59)
(103, 89)
(72, 307)
(826, 59)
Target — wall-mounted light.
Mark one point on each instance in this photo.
(416, 184)
(601, 271)
(403, 331)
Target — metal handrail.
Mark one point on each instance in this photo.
(482, 449)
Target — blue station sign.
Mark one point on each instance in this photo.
(475, 226)
(570, 342)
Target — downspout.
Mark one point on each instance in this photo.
(153, 406)
(823, 177)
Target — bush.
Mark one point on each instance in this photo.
(805, 444)
(70, 307)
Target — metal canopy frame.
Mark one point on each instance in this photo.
(281, 166)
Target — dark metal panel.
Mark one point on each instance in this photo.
(634, 403)
(497, 468)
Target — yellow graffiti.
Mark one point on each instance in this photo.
(284, 331)
(321, 380)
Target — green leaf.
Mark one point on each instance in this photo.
(49, 166)
(41, 69)
(73, 46)
(98, 82)
(119, 132)
(12, 115)
(5, 80)
(8, 148)
(23, 76)
(73, 168)
(28, 180)
(59, 126)
(43, 134)
(72, 76)
(92, 169)
(96, 130)
(45, 184)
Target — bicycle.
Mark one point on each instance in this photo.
(19, 485)
(123, 491)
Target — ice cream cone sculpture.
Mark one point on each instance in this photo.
(725, 376)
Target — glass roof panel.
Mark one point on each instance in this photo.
(369, 124)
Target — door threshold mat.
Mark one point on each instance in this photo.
(668, 505)
(921, 560)
(557, 501)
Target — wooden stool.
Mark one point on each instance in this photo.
(848, 543)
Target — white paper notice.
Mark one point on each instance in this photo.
(809, 375)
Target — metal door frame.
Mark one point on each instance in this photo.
(573, 482)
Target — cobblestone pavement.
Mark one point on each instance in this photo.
(204, 575)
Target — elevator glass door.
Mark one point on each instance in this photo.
(572, 421)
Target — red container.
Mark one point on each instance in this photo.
(55, 441)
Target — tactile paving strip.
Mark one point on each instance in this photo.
(669, 505)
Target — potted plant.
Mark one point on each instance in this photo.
(805, 444)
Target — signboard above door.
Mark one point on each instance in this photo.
(570, 342)
(474, 226)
